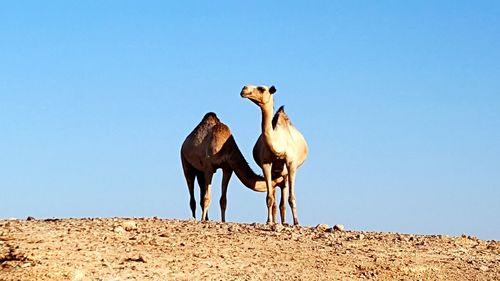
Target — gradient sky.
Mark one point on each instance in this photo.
(398, 100)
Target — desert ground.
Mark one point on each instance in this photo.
(167, 249)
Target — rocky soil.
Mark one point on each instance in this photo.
(160, 249)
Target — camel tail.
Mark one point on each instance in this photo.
(245, 174)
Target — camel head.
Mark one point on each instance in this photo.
(260, 95)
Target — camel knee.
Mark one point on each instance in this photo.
(223, 203)
(206, 202)
(270, 201)
(192, 204)
(291, 201)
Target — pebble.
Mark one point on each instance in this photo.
(129, 225)
(322, 227)
(233, 228)
(277, 227)
(337, 227)
(78, 275)
(138, 258)
(420, 243)
(119, 230)
(483, 268)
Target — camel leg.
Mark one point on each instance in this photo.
(190, 174)
(207, 195)
(284, 190)
(201, 183)
(292, 169)
(226, 176)
(274, 204)
(266, 170)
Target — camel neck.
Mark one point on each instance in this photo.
(267, 127)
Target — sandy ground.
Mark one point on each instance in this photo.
(159, 249)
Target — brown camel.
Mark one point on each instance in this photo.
(208, 147)
(279, 151)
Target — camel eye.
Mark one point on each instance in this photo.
(261, 89)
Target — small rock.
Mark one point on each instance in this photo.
(483, 268)
(323, 235)
(119, 230)
(360, 236)
(30, 218)
(129, 225)
(420, 243)
(137, 258)
(277, 227)
(491, 246)
(233, 228)
(337, 227)
(78, 275)
(322, 227)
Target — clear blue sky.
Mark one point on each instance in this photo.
(398, 100)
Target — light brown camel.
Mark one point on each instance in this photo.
(208, 147)
(279, 151)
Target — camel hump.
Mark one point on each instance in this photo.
(222, 131)
(220, 134)
(280, 117)
(211, 117)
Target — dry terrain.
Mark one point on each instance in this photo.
(160, 249)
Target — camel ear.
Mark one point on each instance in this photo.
(272, 90)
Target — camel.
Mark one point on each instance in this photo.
(208, 147)
(279, 150)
